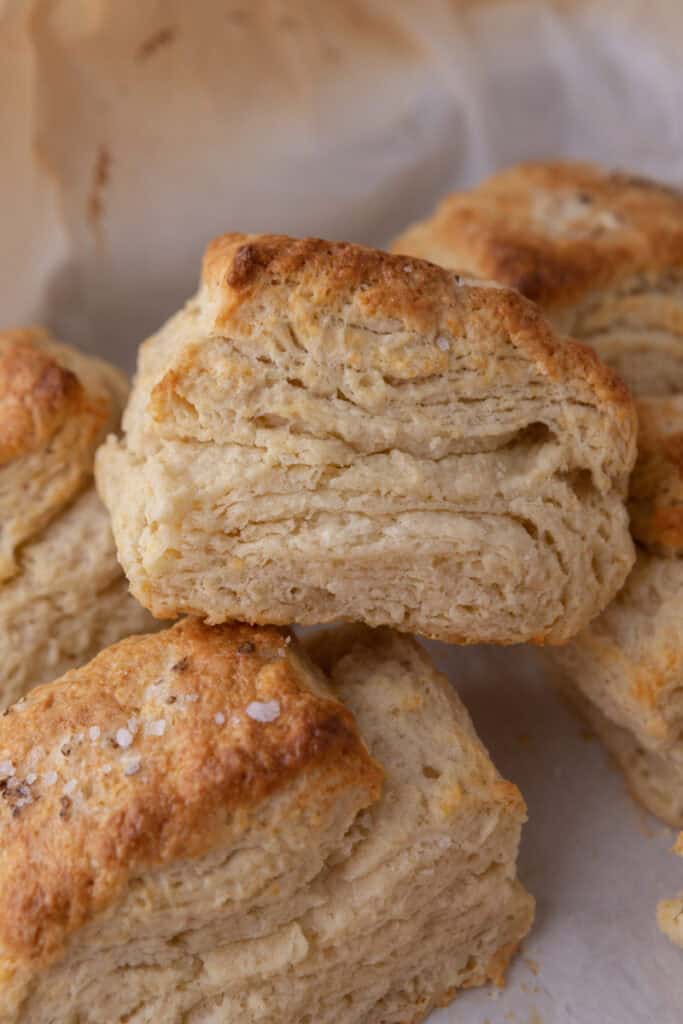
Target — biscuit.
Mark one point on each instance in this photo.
(600, 251)
(331, 432)
(625, 669)
(62, 593)
(194, 830)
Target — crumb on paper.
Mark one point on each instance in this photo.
(531, 965)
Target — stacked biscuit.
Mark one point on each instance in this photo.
(602, 253)
(218, 822)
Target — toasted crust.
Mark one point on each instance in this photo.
(555, 231)
(83, 805)
(656, 489)
(331, 276)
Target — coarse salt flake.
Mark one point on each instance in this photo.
(123, 737)
(131, 765)
(106, 768)
(157, 728)
(132, 725)
(263, 711)
(219, 718)
(6, 768)
(31, 778)
(94, 733)
(49, 778)
(443, 343)
(70, 787)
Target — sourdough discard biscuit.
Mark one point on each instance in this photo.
(327, 431)
(62, 593)
(600, 251)
(625, 669)
(194, 830)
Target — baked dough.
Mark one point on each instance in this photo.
(193, 830)
(625, 669)
(656, 485)
(600, 251)
(62, 593)
(328, 431)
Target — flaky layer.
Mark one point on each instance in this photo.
(328, 431)
(600, 251)
(379, 916)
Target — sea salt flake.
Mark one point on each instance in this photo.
(132, 725)
(157, 728)
(94, 733)
(49, 778)
(106, 768)
(70, 787)
(443, 343)
(263, 711)
(131, 765)
(219, 718)
(124, 738)
(31, 778)
(6, 768)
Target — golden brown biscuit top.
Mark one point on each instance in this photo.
(555, 230)
(39, 393)
(656, 487)
(141, 758)
(249, 279)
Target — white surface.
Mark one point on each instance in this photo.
(348, 120)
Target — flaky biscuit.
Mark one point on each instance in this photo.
(63, 595)
(194, 830)
(600, 251)
(328, 431)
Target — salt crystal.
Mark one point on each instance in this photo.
(123, 737)
(94, 733)
(131, 765)
(157, 728)
(133, 725)
(191, 697)
(49, 778)
(31, 778)
(219, 718)
(6, 768)
(442, 343)
(70, 787)
(263, 711)
(106, 768)
(79, 737)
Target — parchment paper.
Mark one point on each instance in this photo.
(134, 130)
